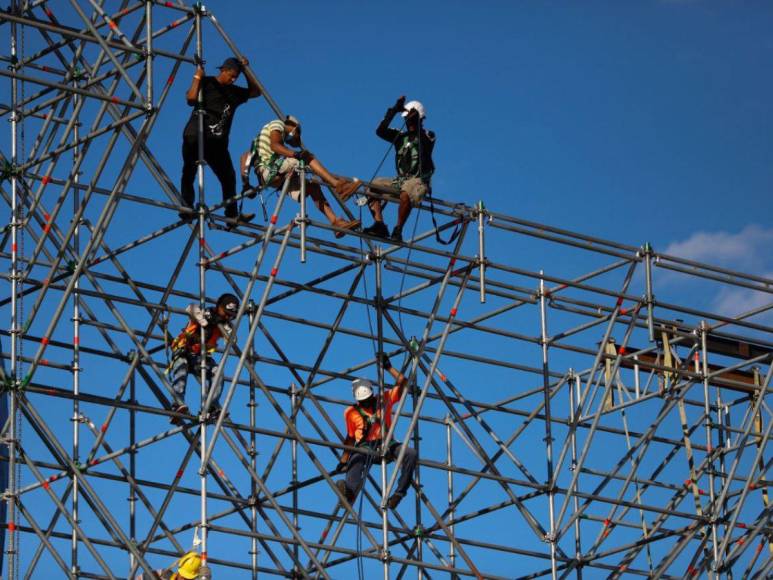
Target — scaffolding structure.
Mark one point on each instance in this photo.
(577, 408)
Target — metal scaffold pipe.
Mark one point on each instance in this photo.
(625, 401)
(205, 386)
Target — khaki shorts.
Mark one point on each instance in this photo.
(288, 165)
(413, 186)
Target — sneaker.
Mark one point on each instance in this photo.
(397, 234)
(181, 409)
(345, 225)
(345, 189)
(394, 501)
(377, 230)
(341, 485)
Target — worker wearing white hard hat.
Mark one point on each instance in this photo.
(413, 163)
(364, 428)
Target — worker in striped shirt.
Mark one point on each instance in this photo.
(364, 429)
(273, 160)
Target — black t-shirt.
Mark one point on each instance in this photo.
(220, 102)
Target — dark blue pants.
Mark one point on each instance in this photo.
(355, 468)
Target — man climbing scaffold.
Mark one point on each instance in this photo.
(186, 348)
(364, 429)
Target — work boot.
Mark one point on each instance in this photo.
(242, 218)
(397, 234)
(345, 189)
(214, 413)
(181, 409)
(341, 485)
(377, 230)
(345, 225)
(394, 501)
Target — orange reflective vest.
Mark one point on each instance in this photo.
(189, 339)
(364, 426)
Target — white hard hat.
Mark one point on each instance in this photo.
(362, 389)
(411, 105)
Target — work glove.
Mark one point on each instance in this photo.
(197, 314)
(400, 104)
(384, 360)
(341, 466)
(304, 155)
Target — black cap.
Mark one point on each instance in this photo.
(231, 63)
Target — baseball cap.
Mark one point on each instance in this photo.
(231, 63)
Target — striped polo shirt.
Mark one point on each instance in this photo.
(264, 140)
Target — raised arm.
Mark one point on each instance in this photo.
(193, 92)
(400, 380)
(383, 129)
(252, 83)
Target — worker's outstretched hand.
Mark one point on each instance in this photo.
(400, 103)
(384, 360)
(341, 467)
(199, 74)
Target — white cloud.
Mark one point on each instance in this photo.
(747, 250)
(735, 301)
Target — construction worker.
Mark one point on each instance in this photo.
(413, 160)
(186, 349)
(188, 567)
(220, 99)
(273, 159)
(364, 429)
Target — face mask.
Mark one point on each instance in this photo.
(292, 137)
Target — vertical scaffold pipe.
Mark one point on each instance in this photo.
(382, 402)
(709, 444)
(417, 479)
(16, 208)
(149, 55)
(573, 382)
(200, 11)
(76, 341)
(133, 461)
(294, 482)
(302, 171)
(548, 427)
(253, 454)
(650, 298)
(452, 510)
(481, 251)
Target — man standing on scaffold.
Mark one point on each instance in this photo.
(220, 99)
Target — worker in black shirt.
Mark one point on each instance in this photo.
(413, 161)
(220, 98)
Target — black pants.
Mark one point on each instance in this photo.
(219, 160)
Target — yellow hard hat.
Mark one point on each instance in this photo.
(188, 565)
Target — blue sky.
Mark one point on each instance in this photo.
(636, 121)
